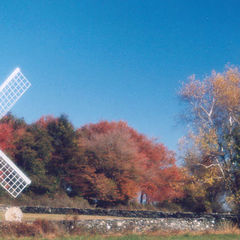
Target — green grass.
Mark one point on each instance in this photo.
(136, 237)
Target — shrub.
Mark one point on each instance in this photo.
(39, 227)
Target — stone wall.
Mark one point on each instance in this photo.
(139, 225)
(136, 221)
(126, 213)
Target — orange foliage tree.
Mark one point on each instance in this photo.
(161, 179)
(117, 163)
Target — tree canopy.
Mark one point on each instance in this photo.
(213, 112)
(107, 162)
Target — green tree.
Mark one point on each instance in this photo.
(33, 154)
(63, 139)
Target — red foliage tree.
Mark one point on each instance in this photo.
(162, 179)
(107, 168)
(6, 137)
(118, 163)
(11, 129)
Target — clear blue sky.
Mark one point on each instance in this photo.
(116, 59)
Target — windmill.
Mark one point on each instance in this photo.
(12, 179)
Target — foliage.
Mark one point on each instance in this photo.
(107, 170)
(107, 163)
(33, 153)
(64, 142)
(116, 163)
(213, 113)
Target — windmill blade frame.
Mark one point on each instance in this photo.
(11, 90)
(12, 179)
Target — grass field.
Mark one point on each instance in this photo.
(135, 237)
(186, 237)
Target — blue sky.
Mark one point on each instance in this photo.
(115, 59)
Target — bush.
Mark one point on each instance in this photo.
(60, 199)
(18, 230)
(39, 227)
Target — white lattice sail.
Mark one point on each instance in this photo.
(12, 179)
(11, 90)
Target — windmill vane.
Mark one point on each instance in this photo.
(12, 179)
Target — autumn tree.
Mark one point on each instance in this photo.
(108, 169)
(11, 129)
(43, 152)
(213, 110)
(109, 161)
(7, 137)
(162, 180)
(29, 147)
(118, 163)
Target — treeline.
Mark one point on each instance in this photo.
(108, 163)
(111, 164)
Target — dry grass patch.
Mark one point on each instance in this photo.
(60, 217)
(35, 229)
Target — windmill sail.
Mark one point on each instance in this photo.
(12, 179)
(11, 90)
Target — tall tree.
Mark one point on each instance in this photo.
(107, 169)
(117, 163)
(64, 142)
(213, 110)
(162, 180)
(33, 153)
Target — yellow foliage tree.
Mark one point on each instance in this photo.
(213, 111)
